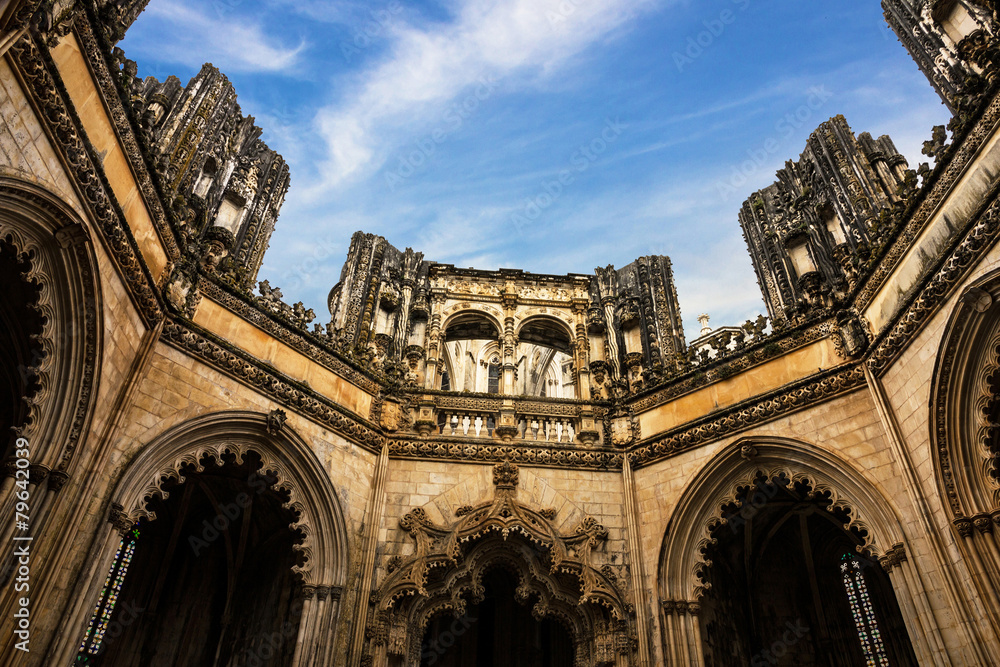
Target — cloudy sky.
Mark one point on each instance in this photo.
(547, 135)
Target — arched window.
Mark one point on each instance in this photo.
(863, 612)
(445, 381)
(493, 384)
(99, 620)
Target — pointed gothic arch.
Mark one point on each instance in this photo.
(965, 436)
(58, 355)
(293, 475)
(50, 238)
(966, 403)
(724, 482)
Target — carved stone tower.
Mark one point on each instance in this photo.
(808, 232)
(953, 42)
(227, 186)
(508, 332)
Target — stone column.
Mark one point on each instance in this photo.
(636, 570)
(79, 612)
(303, 642)
(612, 350)
(916, 620)
(683, 633)
(507, 424)
(434, 343)
(938, 556)
(374, 511)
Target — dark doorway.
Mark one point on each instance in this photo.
(789, 587)
(210, 581)
(498, 632)
(21, 355)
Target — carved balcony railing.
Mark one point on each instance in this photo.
(477, 416)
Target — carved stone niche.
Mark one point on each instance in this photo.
(554, 573)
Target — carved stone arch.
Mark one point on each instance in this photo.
(545, 365)
(547, 322)
(738, 466)
(553, 570)
(965, 395)
(472, 311)
(537, 587)
(50, 236)
(222, 436)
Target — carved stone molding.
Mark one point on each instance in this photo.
(526, 454)
(65, 128)
(726, 366)
(250, 371)
(126, 135)
(954, 267)
(750, 413)
(297, 338)
(893, 558)
(916, 220)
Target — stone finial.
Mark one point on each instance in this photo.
(703, 321)
(505, 475)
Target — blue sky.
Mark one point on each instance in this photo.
(552, 136)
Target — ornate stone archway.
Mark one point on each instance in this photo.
(293, 471)
(553, 572)
(721, 484)
(965, 435)
(964, 394)
(48, 234)
(49, 237)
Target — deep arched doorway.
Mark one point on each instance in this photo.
(499, 631)
(210, 581)
(21, 325)
(786, 585)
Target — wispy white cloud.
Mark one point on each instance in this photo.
(429, 67)
(192, 36)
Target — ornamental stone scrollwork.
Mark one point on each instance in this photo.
(505, 475)
(553, 569)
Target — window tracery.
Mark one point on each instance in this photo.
(863, 612)
(93, 638)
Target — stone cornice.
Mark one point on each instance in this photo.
(958, 161)
(471, 450)
(298, 339)
(964, 254)
(97, 60)
(724, 367)
(760, 409)
(297, 396)
(65, 129)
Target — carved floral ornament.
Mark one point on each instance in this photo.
(554, 572)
